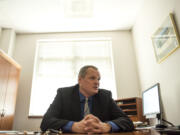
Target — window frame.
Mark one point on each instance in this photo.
(71, 40)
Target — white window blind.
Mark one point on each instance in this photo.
(57, 64)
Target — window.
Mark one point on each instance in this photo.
(57, 64)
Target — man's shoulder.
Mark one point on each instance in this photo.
(104, 92)
(103, 95)
(68, 89)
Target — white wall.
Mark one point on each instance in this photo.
(0, 32)
(166, 73)
(7, 40)
(124, 63)
(0, 36)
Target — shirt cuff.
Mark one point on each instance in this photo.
(114, 128)
(68, 127)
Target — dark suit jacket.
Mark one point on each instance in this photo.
(66, 107)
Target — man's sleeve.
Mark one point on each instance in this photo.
(114, 127)
(68, 127)
(51, 118)
(120, 118)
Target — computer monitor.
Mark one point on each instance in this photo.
(151, 102)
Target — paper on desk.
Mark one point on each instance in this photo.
(16, 132)
(8, 132)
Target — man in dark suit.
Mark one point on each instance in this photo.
(66, 113)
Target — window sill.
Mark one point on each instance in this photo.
(35, 117)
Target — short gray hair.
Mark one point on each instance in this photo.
(83, 70)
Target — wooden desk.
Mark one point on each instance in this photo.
(147, 132)
(142, 132)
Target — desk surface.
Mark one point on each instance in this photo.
(141, 132)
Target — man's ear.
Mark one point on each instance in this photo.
(79, 80)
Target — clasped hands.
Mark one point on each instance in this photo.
(90, 124)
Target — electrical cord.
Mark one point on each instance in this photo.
(168, 122)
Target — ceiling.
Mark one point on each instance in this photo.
(42, 16)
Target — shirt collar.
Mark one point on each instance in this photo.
(82, 97)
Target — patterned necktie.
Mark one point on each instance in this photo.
(86, 108)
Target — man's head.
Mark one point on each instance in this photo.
(88, 80)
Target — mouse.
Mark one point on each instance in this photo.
(161, 126)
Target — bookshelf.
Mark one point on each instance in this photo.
(131, 107)
(9, 78)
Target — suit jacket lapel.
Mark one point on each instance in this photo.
(75, 103)
(96, 106)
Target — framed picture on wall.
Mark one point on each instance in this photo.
(166, 39)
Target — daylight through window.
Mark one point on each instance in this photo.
(57, 64)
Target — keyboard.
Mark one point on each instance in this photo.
(169, 131)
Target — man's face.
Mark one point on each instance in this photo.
(90, 83)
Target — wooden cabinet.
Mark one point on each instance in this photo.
(9, 77)
(132, 107)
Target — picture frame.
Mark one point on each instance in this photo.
(165, 39)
